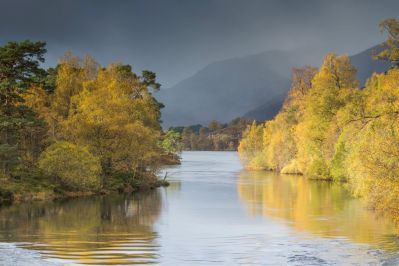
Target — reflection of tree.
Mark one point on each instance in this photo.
(115, 229)
(319, 207)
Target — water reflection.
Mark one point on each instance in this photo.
(107, 230)
(321, 208)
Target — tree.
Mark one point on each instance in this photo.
(318, 131)
(204, 143)
(251, 146)
(172, 142)
(116, 117)
(301, 83)
(73, 166)
(214, 125)
(149, 79)
(391, 45)
(186, 138)
(19, 69)
(278, 136)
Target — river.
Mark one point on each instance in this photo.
(213, 213)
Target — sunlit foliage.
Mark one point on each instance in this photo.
(77, 115)
(73, 166)
(171, 142)
(330, 129)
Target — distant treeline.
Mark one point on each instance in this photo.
(331, 129)
(214, 137)
(78, 127)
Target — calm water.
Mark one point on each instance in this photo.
(214, 213)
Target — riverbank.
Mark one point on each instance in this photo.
(40, 188)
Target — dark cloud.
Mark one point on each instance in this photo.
(176, 38)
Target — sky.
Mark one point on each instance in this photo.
(176, 38)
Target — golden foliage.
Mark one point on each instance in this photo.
(333, 130)
(74, 166)
(110, 111)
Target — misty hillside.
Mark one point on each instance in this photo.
(253, 86)
(366, 65)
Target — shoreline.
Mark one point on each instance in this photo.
(8, 198)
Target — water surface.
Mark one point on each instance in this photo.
(214, 213)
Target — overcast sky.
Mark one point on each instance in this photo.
(175, 38)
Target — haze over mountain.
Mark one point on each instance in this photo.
(253, 86)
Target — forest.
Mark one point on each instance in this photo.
(330, 128)
(78, 128)
(214, 137)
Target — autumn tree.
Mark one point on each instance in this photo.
(251, 146)
(214, 125)
(116, 117)
(390, 50)
(317, 133)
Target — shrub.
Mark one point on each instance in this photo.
(292, 168)
(73, 166)
(318, 169)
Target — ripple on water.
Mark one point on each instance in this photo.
(12, 255)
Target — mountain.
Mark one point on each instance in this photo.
(231, 88)
(366, 65)
(267, 110)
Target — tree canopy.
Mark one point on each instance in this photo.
(83, 124)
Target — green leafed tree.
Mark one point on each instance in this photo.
(19, 70)
(172, 142)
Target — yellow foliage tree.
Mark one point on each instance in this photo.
(117, 118)
(74, 166)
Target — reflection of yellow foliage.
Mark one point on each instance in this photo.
(322, 208)
(113, 230)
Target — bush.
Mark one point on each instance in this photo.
(73, 166)
(292, 168)
(318, 169)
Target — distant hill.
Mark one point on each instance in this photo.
(366, 65)
(267, 110)
(232, 88)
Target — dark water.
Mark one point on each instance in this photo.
(214, 213)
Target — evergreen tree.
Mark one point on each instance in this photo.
(19, 69)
